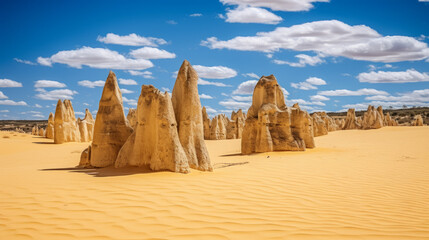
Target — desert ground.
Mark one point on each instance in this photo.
(355, 185)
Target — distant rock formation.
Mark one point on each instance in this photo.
(418, 120)
(319, 125)
(340, 123)
(372, 118)
(35, 130)
(132, 117)
(272, 126)
(50, 127)
(187, 110)
(41, 132)
(155, 140)
(206, 123)
(86, 127)
(218, 127)
(65, 125)
(389, 121)
(111, 128)
(239, 118)
(329, 122)
(351, 121)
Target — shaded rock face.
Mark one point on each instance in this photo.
(340, 123)
(86, 127)
(239, 118)
(155, 140)
(111, 128)
(187, 110)
(272, 126)
(319, 125)
(65, 125)
(329, 122)
(372, 118)
(41, 132)
(50, 127)
(389, 121)
(218, 127)
(418, 120)
(351, 122)
(85, 158)
(132, 117)
(206, 123)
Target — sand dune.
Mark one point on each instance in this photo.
(354, 185)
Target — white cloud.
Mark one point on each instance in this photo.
(127, 81)
(89, 84)
(131, 40)
(231, 104)
(210, 110)
(2, 96)
(245, 88)
(242, 99)
(38, 116)
(145, 74)
(12, 103)
(126, 91)
(96, 58)
(345, 92)
(215, 72)
(151, 53)
(303, 60)
(9, 83)
(55, 94)
(414, 96)
(196, 15)
(4, 111)
(410, 75)
(38, 106)
(304, 102)
(331, 38)
(217, 84)
(86, 104)
(171, 22)
(48, 84)
(318, 98)
(373, 67)
(131, 102)
(24, 61)
(166, 90)
(276, 5)
(252, 75)
(309, 84)
(205, 96)
(251, 15)
(79, 113)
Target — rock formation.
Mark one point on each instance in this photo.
(206, 124)
(111, 128)
(65, 125)
(50, 127)
(329, 122)
(351, 121)
(319, 125)
(218, 127)
(418, 120)
(132, 117)
(372, 118)
(239, 118)
(155, 140)
(35, 130)
(84, 158)
(272, 126)
(340, 123)
(86, 127)
(231, 129)
(187, 110)
(380, 111)
(389, 121)
(41, 132)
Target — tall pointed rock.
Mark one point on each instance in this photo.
(187, 109)
(50, 127)
(111, 128)
(65, 125)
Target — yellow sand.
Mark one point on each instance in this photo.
(355, 185)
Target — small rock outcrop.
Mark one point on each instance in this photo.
(418, 120)
(111, 128)
(372, 118)
(155, 140)
(272, 126)
(206, 123)
(84, 158)
(351, 121)
(86, 127)
(218, 128)
(319, 125)
(187, 110)
(41, 132)
(50, 127)
(35, 130)
(132, 117)
(65, 124)
(389, 121)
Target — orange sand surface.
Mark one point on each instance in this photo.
(355, 185)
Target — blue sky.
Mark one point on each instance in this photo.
(327, 55)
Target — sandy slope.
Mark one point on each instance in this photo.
(354, 185)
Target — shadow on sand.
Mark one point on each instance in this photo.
(105, 172)
(43, 142)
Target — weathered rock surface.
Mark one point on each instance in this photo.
(65, 125)
(418, 120)
(155, 140)
(111, 128)
(50, 127)
(132, 117)
(389, 121)
(41, 132)
(86, 127)
(272, 126)
(319, 125)
(218, 128)
(351, 121)
(85, 158)
(187, 109)
(35, 130)
(239, 118)
(206, 124)
(372, 118)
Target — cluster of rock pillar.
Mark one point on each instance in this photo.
(163, 133)
(372, 119)
(221, 127)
